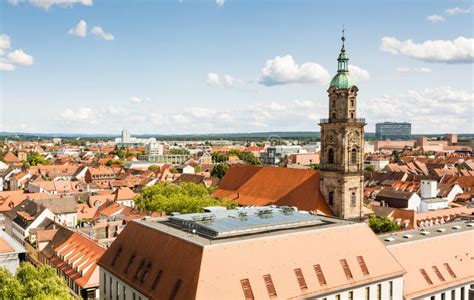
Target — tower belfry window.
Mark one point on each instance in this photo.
(353, 156)
(353, 199)
(331, 156)
(331, 198)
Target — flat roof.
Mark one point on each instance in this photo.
(239, 224)
(430, 232)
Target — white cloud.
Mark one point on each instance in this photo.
(458, 10)
(135, 99)
(80, 115)
(80, 29)
(215, 80)
(99, 32)
(220, 2)
(5, 66)
(47, 4)
(459, 50)
(4, 41)
(284, 70)
(435, 18)
(358, 74)
(408, 70)
(426, 109)
(19, 57)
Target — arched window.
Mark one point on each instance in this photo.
(353, 156)
(331, 156)
(334, 115)
(353, 199)
(352, 102)
(352, 115)
(331, 198)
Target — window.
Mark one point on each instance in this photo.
(117, 255)
(338, 297)
(110, 288)
(117, 290)
(350, 295)
(175, 289)
(105, 284)
(334, 115)
(124, 292)
(362, 264)
(425, 275)
(134, 296)
(247, 288)
(156, 281)
(450, 271)
(269, 284)
(346, 268)
(379, 291)
(352, 115)
(453, 294)
(354, 156)
(462, 293)
(139, 270)
(319, 274)
(438, 273)
(130, 262)
(354, 203)
(443, 296)
(367, 293)
(300, 278)
(352, 102)
(390, 289)
(331, 156)
(331, 198)
(432, 297)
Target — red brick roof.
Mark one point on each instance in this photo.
(253, 185)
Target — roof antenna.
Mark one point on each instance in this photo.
(343, 38)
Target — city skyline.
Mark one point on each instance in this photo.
(90, 67)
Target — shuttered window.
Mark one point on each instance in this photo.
(438, 273)
(346, 269)
(247, 289)
(362, 265)
(319, 274)
(300, 278)
(425, 275)
(269, 284)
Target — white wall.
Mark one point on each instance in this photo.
(105, 288)
(359, 292)
(447, 293)
(414, 202)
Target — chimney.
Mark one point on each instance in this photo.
(429, 189)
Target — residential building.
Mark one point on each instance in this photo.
(342, 146)
(399, 199)
(11, 252)
(153, 149)
(393, 131)
(276, 154)
(277, 252)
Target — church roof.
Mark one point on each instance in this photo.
(342, 80)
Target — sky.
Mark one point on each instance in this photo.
(227, 66)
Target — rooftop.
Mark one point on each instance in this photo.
(421, 234)
(241, 223)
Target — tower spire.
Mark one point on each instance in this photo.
(343, 38)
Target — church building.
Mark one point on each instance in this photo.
(342, 146)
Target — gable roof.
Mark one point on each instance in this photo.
(10, 158)
(254, 185)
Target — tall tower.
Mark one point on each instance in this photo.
(342, 145)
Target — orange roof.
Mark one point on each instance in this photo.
(10, 158)
(4, 246)
(413, 257)
(253, 185)
(124, 193)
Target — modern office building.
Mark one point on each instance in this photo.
(393, 131)
(249, 253)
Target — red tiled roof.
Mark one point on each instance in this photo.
(254, 185)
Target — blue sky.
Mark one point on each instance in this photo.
(230, 66)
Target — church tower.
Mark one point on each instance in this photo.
(342, 145)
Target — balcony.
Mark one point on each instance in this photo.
(357, 120)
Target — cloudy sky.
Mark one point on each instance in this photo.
(202, 66)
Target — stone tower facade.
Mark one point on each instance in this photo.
(342, 146)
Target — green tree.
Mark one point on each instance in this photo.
(382, 224)
(219, 170)
(183, 198)
(154, 168)
(314, 166)
(179, 151)
(32, 283)
(220, 157)
(34, 159)
(396, 156)
(369, 168)
(197, 169)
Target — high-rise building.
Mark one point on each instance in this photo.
(125, 136)
(392, 131)
(342, 145)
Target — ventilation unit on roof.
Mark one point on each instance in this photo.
(441, 229)
(425, 232)
(389, 239)
(408, 236)
(456, 227)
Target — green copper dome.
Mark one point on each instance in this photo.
(342, 80)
